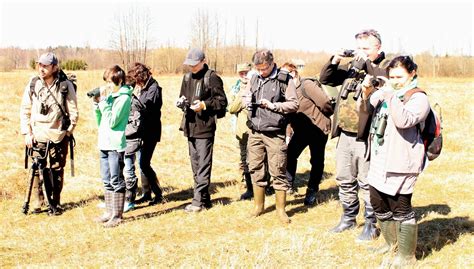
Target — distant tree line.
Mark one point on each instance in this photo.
(169, 60)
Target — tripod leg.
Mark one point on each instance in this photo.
(28, 193)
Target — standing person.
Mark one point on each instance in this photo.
(270, 96)
(311, 125)
(352, 125)
(239, 111)
(143, 132)
(112, 109)
(202, 98)
(397, 156)
(49, 100)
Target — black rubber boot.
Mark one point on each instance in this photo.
(370, 232)
(310, 199)
(144, 198)
(248, 195)
(348, 218)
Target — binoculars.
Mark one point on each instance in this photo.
(93, 93)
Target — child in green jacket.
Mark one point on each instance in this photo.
(112, 109)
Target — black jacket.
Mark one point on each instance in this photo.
(335, 75)
(203, 123)
(152, 98)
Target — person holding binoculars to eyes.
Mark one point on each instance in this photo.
(112, 108)
(351, 123)
(397, 156)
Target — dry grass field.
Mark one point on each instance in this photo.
(165, 236)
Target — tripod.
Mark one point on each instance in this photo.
(38, 154)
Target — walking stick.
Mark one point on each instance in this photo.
(72, 143)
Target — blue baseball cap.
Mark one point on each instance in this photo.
(48, 59)
(194, 57)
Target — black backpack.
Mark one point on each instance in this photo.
(431, 134)
(219, 113)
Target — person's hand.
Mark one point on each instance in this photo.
(267, 104)
(247, 100)
(29, 140)
(197, 106)
(336, 59)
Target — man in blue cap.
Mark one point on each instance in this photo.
(48, 116)
(202, 99)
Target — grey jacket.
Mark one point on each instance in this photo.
(406, 151)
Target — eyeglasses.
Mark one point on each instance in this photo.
(264, 69)
(369, 32)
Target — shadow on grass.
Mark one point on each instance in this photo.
(434, 234)
(301, 179)
(221, 200)
(71, 205)
(323, 196)
(189, 193)
(423, 211)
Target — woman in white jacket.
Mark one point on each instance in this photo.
(397, 155)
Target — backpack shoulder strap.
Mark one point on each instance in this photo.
(207, 77)
(32, 86)
(187, 77)
(409, 93)
(283, 77)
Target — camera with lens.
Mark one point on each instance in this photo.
(376, 82)
(93, 93)
(348, 53)
(183, 103)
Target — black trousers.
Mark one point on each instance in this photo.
(200, 154)
(147, 173)
(389, 207)
(313, 137)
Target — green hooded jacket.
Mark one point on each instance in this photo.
(112, 118)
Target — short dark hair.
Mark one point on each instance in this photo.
(115, 74)
(262, 56)
(367, 33)
(403, 61)
(140, 73)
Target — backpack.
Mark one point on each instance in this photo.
(63, 88)
(219, 113)
(431, 134)
(134, 126)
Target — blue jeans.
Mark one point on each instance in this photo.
(111, 170)
(131, 178)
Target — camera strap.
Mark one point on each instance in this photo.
(56, 100)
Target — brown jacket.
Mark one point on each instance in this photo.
(316, 105)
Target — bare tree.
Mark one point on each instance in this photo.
(131, 35)
(201, 30)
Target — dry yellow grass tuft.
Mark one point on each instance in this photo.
(224, 236)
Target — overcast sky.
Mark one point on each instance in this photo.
(406, 26)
